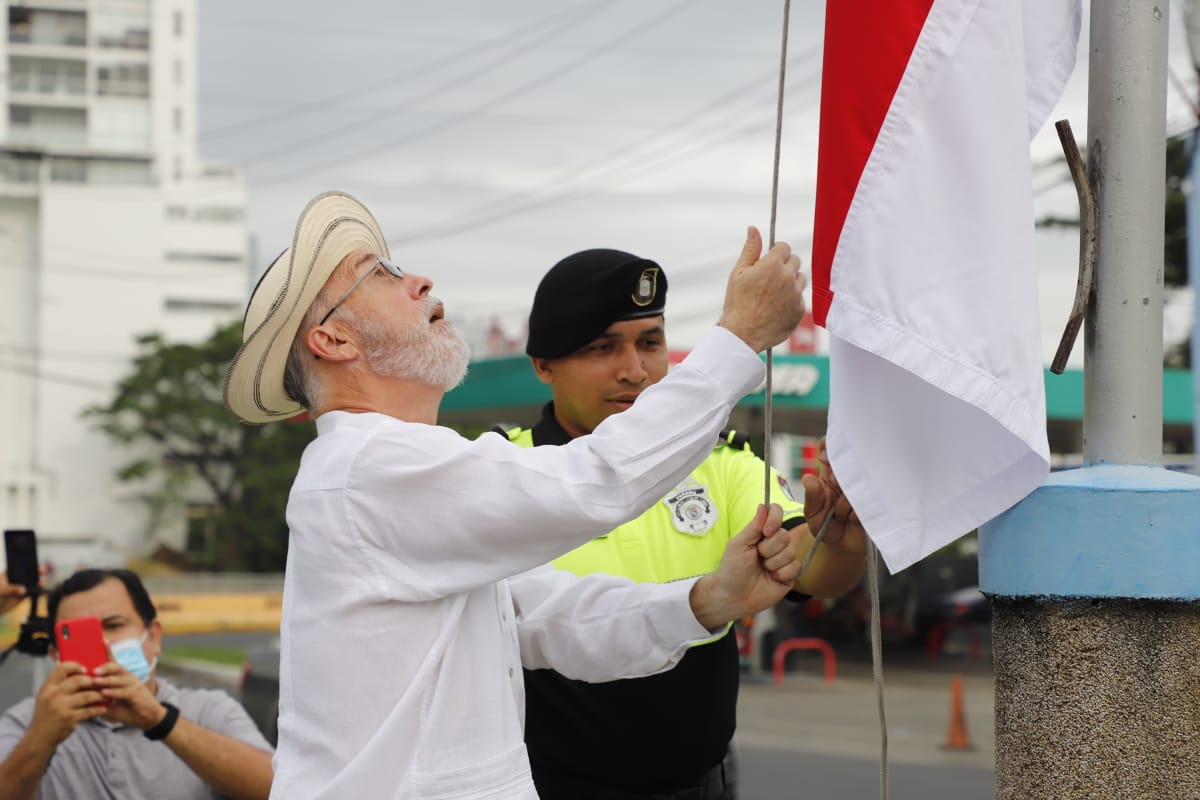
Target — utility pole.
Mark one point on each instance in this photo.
(1094, 577)
(1192, 19)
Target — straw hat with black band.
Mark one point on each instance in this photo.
(332, 226)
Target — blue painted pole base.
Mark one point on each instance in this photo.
(1111, 530)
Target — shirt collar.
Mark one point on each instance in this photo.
(547, 430)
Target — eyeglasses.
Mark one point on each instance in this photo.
(392, 269)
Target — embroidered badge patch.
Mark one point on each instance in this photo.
(692, 509)
(647, 287)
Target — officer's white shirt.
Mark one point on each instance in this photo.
(404, 630)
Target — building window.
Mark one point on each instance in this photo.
(68, 170)
(19, 168)
(217, 214)
(20, 26)
(179, 72)
(178, 168)
(56, 28)
(126, 29)
(179, 23)
(178, 116)
(123, 80)
(207, 306)
(20, 116)
(216, 258)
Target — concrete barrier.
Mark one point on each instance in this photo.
(220, 611)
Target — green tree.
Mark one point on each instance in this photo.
(170, 413)
(1175, 261)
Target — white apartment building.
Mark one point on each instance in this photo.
(110, 227)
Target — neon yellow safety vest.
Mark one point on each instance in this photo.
(685, 533)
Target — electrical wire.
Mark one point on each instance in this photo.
(511, 41)
(378, 117)
(481, 108)
(661, 139)
(634, 170)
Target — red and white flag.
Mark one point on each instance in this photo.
(923, 269)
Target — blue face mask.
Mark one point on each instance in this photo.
(129, 654)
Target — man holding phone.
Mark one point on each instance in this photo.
(123, 731)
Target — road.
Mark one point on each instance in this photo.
(806, 739)
(811, 740)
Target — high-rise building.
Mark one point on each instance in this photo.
(110, 227)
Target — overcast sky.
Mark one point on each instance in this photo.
(491, 139)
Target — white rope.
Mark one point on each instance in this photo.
(768, 403)
(768, 414)
(877, 664)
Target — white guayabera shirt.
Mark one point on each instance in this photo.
(415, 586)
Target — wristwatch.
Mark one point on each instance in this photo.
(164, 727)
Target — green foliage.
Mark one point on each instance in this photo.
(229, 656)
(1175, 250)
(170, 413)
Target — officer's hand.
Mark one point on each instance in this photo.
(822, 497)
(133, 703)
(756, 571)
(764, 298)
(67, 697)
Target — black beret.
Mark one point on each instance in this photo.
(588, 291)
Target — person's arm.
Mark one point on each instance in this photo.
(10, 594)
(755, 573)
(601, 627)
(840, 559)
(229, 766)
(535, 504)
(66, 698)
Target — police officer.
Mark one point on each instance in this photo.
(597, 337)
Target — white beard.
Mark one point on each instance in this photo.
(433, 354)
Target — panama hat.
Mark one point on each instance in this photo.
(332, 226)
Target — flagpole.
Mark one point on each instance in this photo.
(1123, 378)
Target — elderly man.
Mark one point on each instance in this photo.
(413, 593)
(126, 732)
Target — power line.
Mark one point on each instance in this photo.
(475, 111)
(675, 129)
(535, 201)
(55, 377)
(512, 42)
(60, 269)
(66, 355)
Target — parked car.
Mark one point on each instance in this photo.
(260, 687)
(966, 605)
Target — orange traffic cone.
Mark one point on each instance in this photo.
(956, 734)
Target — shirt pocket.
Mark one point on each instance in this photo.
(502, 777)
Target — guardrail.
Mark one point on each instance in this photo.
(804, 643)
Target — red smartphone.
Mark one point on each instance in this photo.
(81, 640)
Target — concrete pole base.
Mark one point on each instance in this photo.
(1097, 698)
